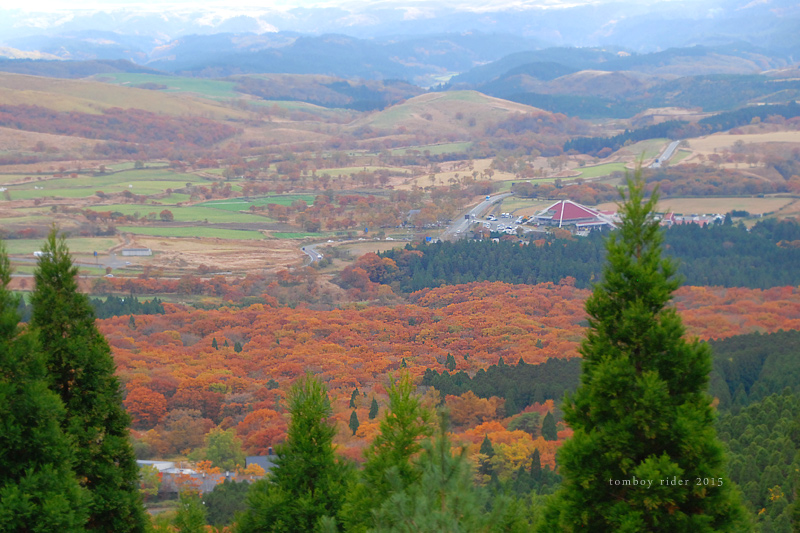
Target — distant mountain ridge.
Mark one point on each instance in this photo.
(640, 26)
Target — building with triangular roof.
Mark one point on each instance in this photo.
(569, 213)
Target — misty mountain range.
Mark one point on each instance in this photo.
(140, 35)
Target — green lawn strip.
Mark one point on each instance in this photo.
(679, 156)
(184, 214)
(512, 204)
(193, 231)
(601, 170)
(296, 235)
(85, 245)
(216, 89)
(12, 178)
(650, 148)
(243, 204)
(27, 220)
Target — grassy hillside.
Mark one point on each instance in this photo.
(88, 96)
(449, 112)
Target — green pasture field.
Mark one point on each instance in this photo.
(78, 245)
(512, 204)
(10, 178)
(679, 156)
(505, 185)
(242, 204)
(185, 214)
(143, 182)
(193, 231)
(648, 149)
(601, 170)
(296, 235)
(215, 89)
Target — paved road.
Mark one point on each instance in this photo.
(666, 154)
(460, 225)
(312, 253)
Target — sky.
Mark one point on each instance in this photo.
(280, 5)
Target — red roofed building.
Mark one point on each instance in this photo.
(569, 213)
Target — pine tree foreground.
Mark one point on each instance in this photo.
(644, 455)
(38, 489)
(81, 372)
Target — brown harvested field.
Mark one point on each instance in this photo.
(219, 254)
(281, 135)
(358, 249)
(755, 206)
(13, 140)
(721, 141)
(450, 169)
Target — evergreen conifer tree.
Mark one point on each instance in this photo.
(38, 488)
(81, 372)
(486, 447)
(308, 482)
(549, 431)
(641, 411)
(373, 409)
(354, 424)
(536, 467)
(388, 457)
(444, 498)
(214, 343)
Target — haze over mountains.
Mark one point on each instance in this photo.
(588, 59)
(444, 35)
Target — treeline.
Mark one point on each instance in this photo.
(603, 146)
(111, 306)
(763, 442)
(585, 107)
(717, 255)
(117, 125)
(703, 180)
(411, 476)
(521, 385)
(677, 129)
(748, 368)
(745, 115)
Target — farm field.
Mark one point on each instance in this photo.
(187, 213)
(649, 149)
(243, 204)
(754, 206)
(141, 182)
(78, 245)
(221, 253)
(720, 141)
(192, 232)
(601, 170)
(214, 89)
(523, 206)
